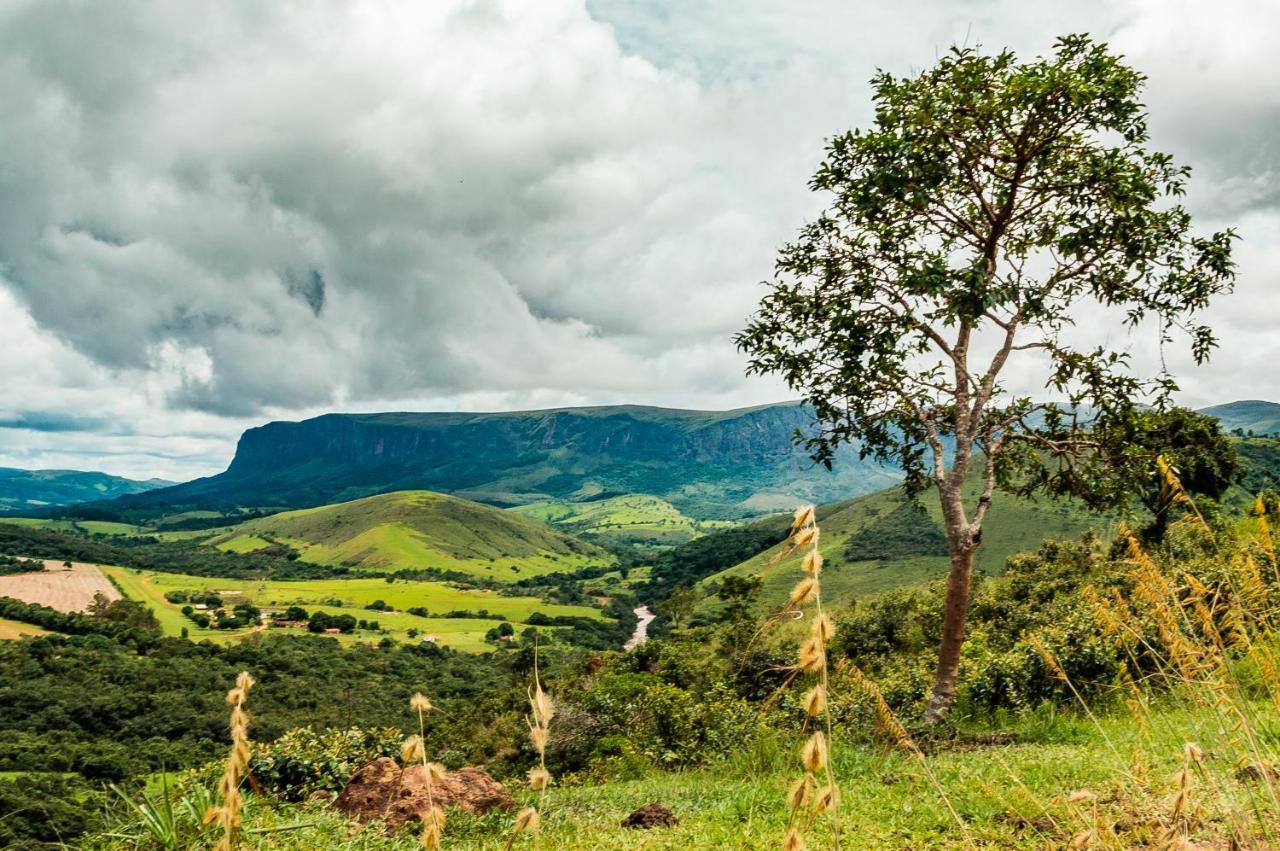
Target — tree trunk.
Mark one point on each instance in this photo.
(953, 625)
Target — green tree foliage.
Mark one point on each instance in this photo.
(991, 200)
(906, 530)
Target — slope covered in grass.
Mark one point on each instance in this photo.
(881, 541)
(418, 530)
(634, 519)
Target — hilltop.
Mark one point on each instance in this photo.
(415, 530)
(883, 541)
(632, 519)
(32, 490)
(1249, 416)
(708, 464)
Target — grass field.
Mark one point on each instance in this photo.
(346, 596)
(16, 629)
(1014, 525)
(634, 518)
(1050, 777)
(92, 527)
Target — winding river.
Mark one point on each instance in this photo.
(644, 617)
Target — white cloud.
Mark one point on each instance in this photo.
(220, 213)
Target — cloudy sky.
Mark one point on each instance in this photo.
(215, 214)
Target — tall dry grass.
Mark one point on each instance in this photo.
(226, 814)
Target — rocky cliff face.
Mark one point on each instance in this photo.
(710, 463)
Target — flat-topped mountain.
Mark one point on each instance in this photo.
(708, 463)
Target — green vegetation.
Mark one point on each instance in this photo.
(33, 490)
(634, 519)
(880, 542)
(410, 530)
(353, 597)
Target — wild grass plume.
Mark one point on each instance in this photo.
(541, 711)
(227, 814)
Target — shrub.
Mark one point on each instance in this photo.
(303, 761)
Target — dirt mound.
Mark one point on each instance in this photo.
(650, 816)
(381, 790)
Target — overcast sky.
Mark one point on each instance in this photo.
(216, 214)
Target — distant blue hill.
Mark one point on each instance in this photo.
(33, 490)
(1249, 415)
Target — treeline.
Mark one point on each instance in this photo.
(10, 565)
(98, 704)
(125, 621)
(701, 557)
(149, 553)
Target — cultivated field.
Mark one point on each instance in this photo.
(58, 588)
(346, 596)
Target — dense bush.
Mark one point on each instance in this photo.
(303, 760)
(43, 811)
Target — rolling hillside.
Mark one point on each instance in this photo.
(881, 541)
(631, 519)
(1249, 415)
(417, 530)
(32, 490)
(709, 464)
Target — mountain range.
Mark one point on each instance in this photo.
(31, 490)
(707, 463)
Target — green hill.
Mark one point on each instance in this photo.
(631, 519)
(1250, 416)
(33, 490)
(882, 541)
(417, 530)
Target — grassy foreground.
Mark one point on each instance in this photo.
(1047, 780)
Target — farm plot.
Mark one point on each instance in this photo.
(58, 587)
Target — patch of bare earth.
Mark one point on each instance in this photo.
(67, 590)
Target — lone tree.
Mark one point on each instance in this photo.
(992, 203)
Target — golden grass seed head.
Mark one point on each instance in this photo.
(806, 536)
(419, 702)
(813, 656)
(813, 563)
(430, 837)
(1191, 751)
(815, 701)
(526, 821)
(538, 735)
(804, 592)
(235, 697)
(435, 772)
(434, 816)
(244, 682)
(814, 755)
(412, 750)
(827, 799)
(801, 792)
(542, 707)
(803, 517)
(822, 630)
(539, 779)
(793, 841)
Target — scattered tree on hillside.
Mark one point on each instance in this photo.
(992, 204)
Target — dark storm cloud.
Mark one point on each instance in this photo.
(216, 213)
